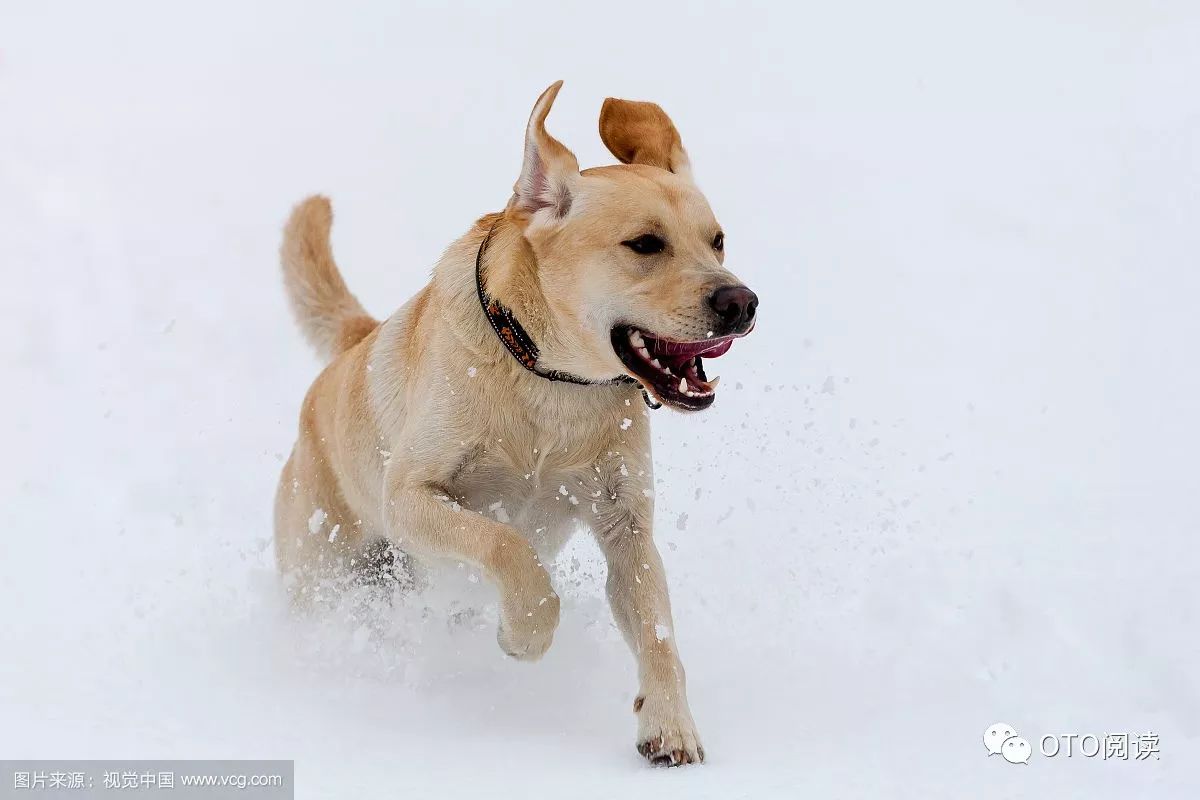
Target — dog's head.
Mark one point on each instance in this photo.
(630, 257)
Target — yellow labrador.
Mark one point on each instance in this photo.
(501, 408)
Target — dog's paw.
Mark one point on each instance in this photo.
(527, 626)
(666, 734)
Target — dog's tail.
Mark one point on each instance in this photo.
(331, 318)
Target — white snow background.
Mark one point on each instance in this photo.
(950, 480)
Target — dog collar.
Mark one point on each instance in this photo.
(517, 340)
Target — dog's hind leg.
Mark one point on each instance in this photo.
(317, 538)
(383, 565)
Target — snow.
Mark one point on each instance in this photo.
(499, 510)
(972, 230)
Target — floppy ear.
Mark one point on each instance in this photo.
(550, 171)
(642, 133)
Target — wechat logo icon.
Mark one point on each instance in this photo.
(1002, 739)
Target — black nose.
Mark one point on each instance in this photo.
(736, 306)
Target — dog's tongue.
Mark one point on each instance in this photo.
(678, 352)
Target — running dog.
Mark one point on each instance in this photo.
(503, 406)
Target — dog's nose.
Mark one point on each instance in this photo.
(736, 306)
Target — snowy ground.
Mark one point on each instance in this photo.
(950, 480)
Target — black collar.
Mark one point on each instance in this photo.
(518, 342)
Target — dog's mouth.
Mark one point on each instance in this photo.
(672, 371)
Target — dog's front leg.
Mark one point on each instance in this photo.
(637, 592)
(424, 521)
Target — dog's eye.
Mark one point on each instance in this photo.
(719, 242)
(646, 245)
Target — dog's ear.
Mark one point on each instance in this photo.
(550, 171)
(642, 133)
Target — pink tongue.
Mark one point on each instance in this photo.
(678, 352)
(719, 349)
(671, 351)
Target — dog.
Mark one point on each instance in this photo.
(503, 406)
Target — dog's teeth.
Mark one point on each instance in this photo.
(644, 353)
(683, 385)
(713, 382)
(654, 361)
(636, 338)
